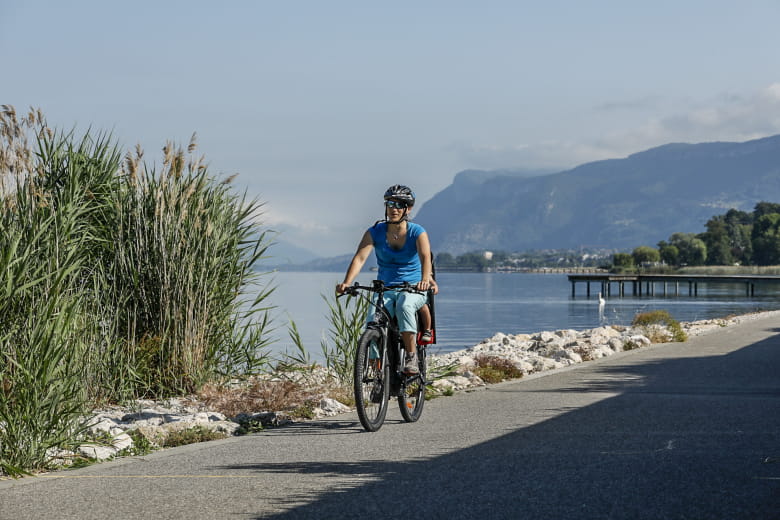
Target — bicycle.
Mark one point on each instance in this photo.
(379, 360)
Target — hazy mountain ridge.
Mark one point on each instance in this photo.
(619, 203)
(327, 264)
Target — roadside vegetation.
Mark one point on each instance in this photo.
(659, 326)
(494, 369)
(120, 280)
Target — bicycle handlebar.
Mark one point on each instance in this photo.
(379, 286)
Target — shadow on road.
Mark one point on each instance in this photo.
(693, 437)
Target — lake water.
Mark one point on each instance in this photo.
(474, 306)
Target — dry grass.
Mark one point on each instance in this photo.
(494, 369)
(259, 395)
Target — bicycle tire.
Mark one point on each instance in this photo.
(372, 388)
(412, 398)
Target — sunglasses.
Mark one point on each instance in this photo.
(395, 204)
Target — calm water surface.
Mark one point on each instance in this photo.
(474, 306)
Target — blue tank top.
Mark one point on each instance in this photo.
(397, 266)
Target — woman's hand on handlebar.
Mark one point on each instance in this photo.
(424, 285)
(341, 288)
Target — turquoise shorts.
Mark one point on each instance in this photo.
(404, 306)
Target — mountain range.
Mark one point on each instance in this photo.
(615, 203)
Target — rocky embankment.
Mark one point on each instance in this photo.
(529, 353)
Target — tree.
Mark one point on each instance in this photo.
(766, 239)
(622, 260)
(765, 208)
(444, 260)
(692, 250)
(717, 240)
(645, 255)
(739, 226)
(472, 260)
(670, 255)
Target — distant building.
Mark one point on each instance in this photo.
(487, 255)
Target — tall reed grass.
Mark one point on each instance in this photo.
(117, 280)
(347, 318)
(185, 251)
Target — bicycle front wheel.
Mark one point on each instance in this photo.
(372, 376)
(412, 397)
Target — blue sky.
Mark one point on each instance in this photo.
(319, 106)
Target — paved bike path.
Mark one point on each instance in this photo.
(687, 430)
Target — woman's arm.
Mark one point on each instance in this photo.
(424, 252)
(361, 255)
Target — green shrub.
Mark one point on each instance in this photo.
(191, 436)
(494, 369)
(649, 322)
(304, 411)
(141, 445)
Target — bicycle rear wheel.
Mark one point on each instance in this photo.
(371, 380)
(412, 398)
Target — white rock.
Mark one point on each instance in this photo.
(97, 452)
(640, 340)
(152, 422)
(543, 363)
(616, 344)
(546, 337)
(121, 441)
(227, 427)
(604, 351)
(59, 457)
(459, 381)
(452, 382)
(332, 407)
(103, 426)
(202, 418)
(466, 361)
(443, 384)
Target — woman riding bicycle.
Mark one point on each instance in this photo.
(403, 254)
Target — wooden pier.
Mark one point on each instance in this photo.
(670, 282)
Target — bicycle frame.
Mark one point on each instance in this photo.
(379, 375)
(388, 327)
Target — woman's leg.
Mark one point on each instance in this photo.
(406, 307)
(389, 301)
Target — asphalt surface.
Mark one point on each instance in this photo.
(684, 431)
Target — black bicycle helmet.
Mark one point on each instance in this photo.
(400, 193)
